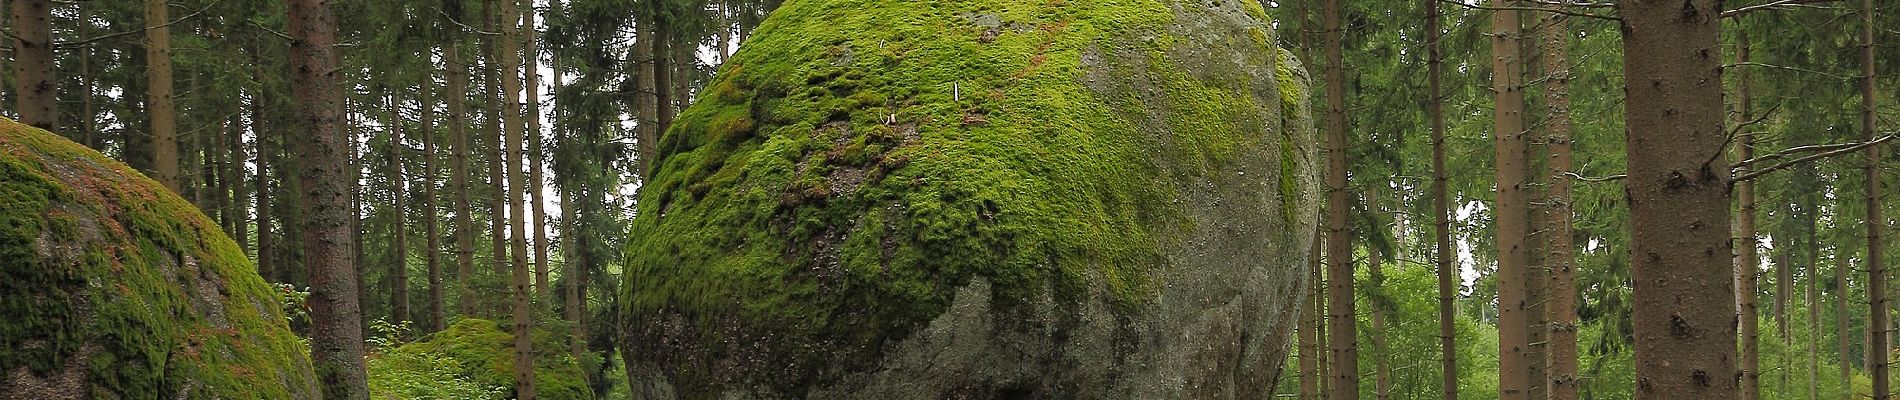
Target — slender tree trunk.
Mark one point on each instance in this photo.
(1560, 351)
(1746, 259)
(646, 102)
(1381, 362)
(35, 86)
(1340, 312)
(1876, 267)
(431, 218)
(570, 221)
(1310, 348)
(510, 57)
(1678, 190)
(88, 83)
(1813, 300)
(158, 74)
(1512, 207)
(234, 183)
(336, 335)
(456, 95)
(663, 53)
(1441, 206)
(1319, 299)
(1841, 293)
(498, 158)
(399, 269)
(265, 242)
(536, 195)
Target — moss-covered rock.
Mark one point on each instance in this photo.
(980, 199)
(473, 360)
(112, 287)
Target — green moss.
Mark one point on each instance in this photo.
(100, 264)
(474, 359)
(860, 159)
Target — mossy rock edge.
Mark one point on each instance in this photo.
(112, 287)
(888, 199)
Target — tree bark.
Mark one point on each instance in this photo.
(1747, 256)
(1340, 312)
(663, 52)
(498, 157)
(431, 218)
(1310, 348)
(337, 338)
(1876, 266)
(265, 258)
(1813, 299)
(646, 102)
(1441, 207)
(399, 269)
(1678, 192)
(570, 220)
(456, 95)
(510, 57)
(164, 116)
(1512, 210)
(35, 85)
(1375, 273)
(233, 183)
(1560, 350)
(1841, 294)
(536, 153)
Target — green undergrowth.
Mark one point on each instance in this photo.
(474, 359)
(858, 160)
(107, 275)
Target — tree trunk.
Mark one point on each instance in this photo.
(646, 103)
(456, 95)
(536, 180)
(498, 157)
(265, 258)
(1340, 312)
(1813, 300)
(431, 219)
(662, 69)
(1309, 327)
(1319, 299)
(1441, 206)
(88, 83)
(517, 189)
(1747, 256)
(336, 335)
(1876, 267)
(234, 183)
(158, 74)
(1512, 210)
(1560, 350)
(570, 219)
(35, 86)
(399, 269)
(1678, 190)
(1381, 354)
(1841, 294)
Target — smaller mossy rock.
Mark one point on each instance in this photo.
(473, 360)
(112, 287)
(922, 199)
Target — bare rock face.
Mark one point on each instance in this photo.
(112, 287)
(881, 199)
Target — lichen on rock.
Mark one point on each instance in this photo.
(979, 199)
(113, 287)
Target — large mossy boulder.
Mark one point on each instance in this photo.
(112, 287)
(916, 199)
